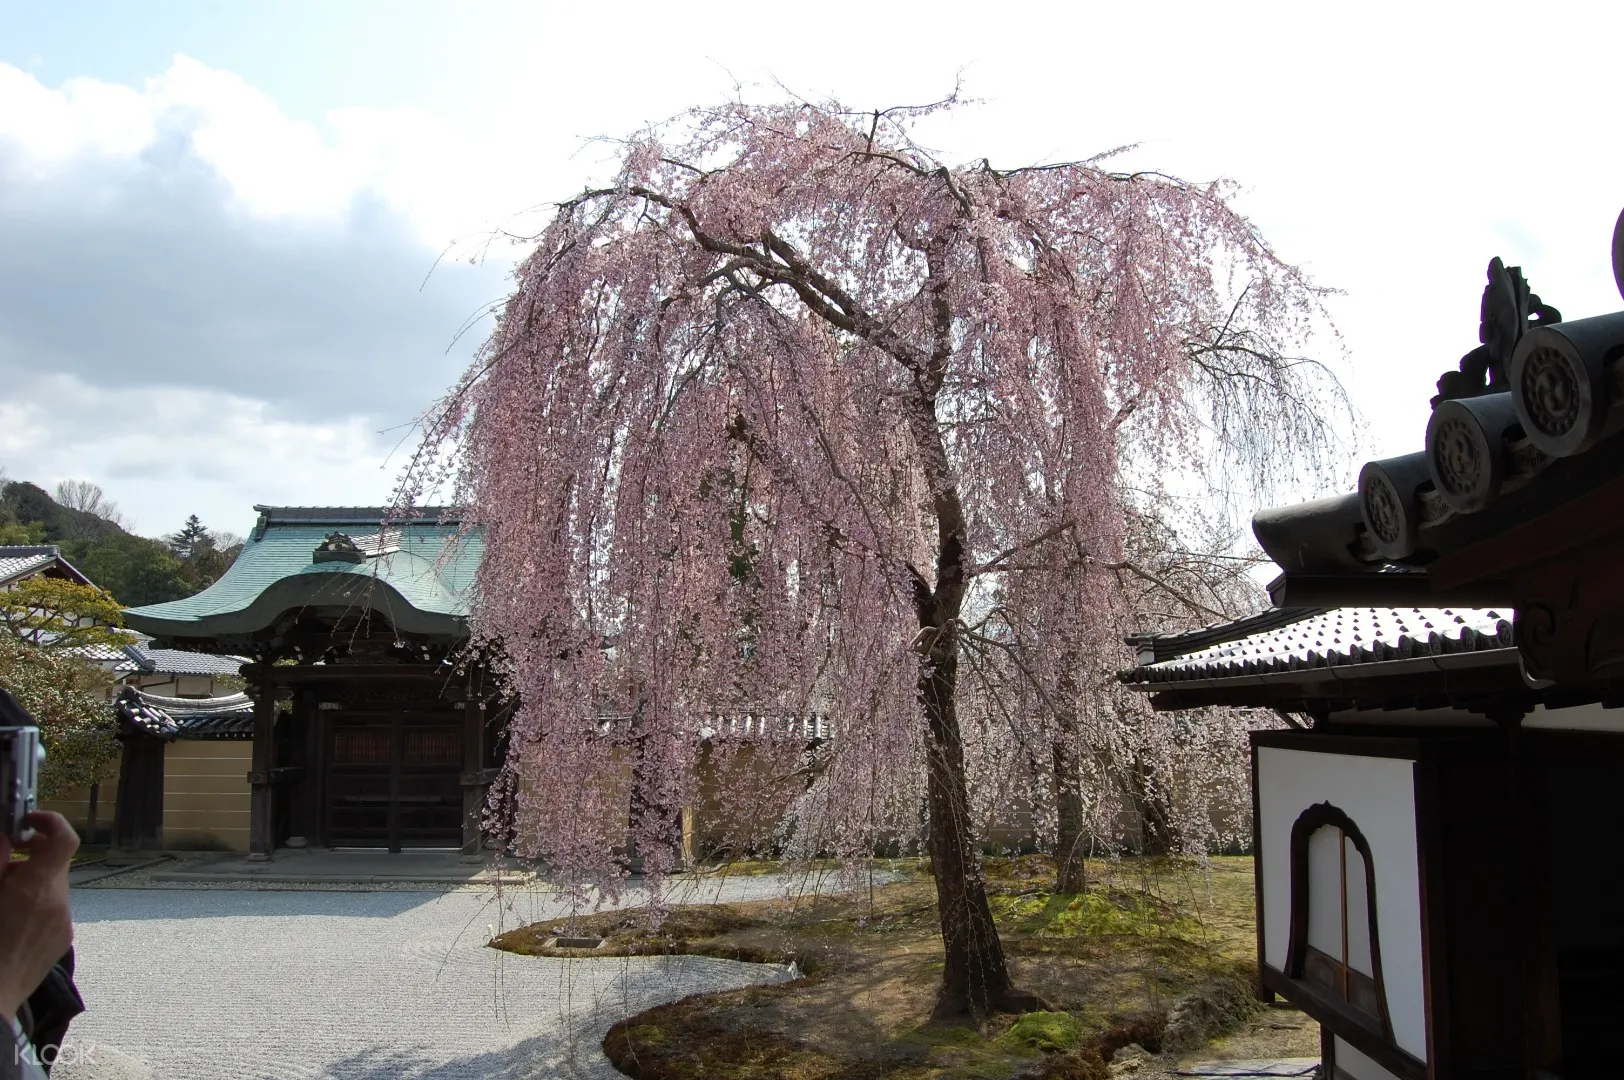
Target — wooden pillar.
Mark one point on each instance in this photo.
(473, 773)
(260, 838)
(1533, 937)
(90, 814)
(138, 813)
(690, 838)
(315, 770)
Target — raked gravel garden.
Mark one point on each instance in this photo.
(216, 984)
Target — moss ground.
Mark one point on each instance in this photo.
(1112, 961)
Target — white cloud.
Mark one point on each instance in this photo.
(194, 234)
(206, 304)
(165, 452)
(277, 168)
(83, 117)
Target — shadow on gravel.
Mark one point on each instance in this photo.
(122, 905)
(544, 1057)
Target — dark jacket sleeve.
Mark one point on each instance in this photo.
(52, 1006)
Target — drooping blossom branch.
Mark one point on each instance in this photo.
(770, 416)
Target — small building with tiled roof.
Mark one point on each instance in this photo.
(180, 778)
(19, 562)
(177, 673)
(330, 563)
(1433, 843)
(365, 730)
(1316, 661)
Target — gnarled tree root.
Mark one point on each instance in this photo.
(960, 1009)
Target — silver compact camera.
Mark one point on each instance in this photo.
(21, 756)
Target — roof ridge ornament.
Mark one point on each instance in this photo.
(338, 547)
(1509, 310)
(1537, 390)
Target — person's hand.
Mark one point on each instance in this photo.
(36, 925)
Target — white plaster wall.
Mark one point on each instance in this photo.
(1575, 718)
(1358, 912)
(1357, 1065)
(1325, 891)
(1379, 795)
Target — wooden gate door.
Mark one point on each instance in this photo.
(393, 781)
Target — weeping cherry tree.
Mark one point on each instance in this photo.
(765, 415)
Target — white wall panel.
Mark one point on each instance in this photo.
(1325, 891)
(1358, 912)
(1357, 1065)
(1575, 718)
(1379, 795)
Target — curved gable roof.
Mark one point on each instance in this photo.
(418, 574)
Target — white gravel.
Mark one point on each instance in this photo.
(278, 983)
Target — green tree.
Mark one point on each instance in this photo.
(55, 615)
(92, 504)
(19, 532)
(133, 568)
(191, 541)
(68, 698)
(203, 553)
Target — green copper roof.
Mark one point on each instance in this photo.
(418, 574)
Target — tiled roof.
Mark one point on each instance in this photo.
(21, 560)
(1154, 648)
(180, 661)
(1321, 638)
(229, 717)
(113, 655)
(349, 515)
(428, 563)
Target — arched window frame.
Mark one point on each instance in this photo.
(1310, 821)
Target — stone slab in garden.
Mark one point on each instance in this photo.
(1259, 1068)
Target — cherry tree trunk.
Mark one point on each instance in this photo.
(1155, 828)
(1069, 821)
(975, 977)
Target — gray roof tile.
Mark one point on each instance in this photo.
(21, 560)
(229, 717)
(1327, 638)
(181, 662)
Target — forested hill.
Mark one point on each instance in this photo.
(135, 569)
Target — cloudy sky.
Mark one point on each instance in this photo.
(218, 221)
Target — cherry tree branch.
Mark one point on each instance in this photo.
(1025, 545)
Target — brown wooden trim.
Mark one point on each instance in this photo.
(315, 756)
(260, 820)
(1362, 588)
(397, 736)
(295, 674)
(138, 807)
(1544, 740)
(1349, 1025)
(1532, 930)
(1434, 931)
(473, 759)
(1539, 536)
(1327, 971)
(479, 777)
(1308, 822)
(1319, 742)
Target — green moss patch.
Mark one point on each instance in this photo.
(1049, 1032)
(1151, 947)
